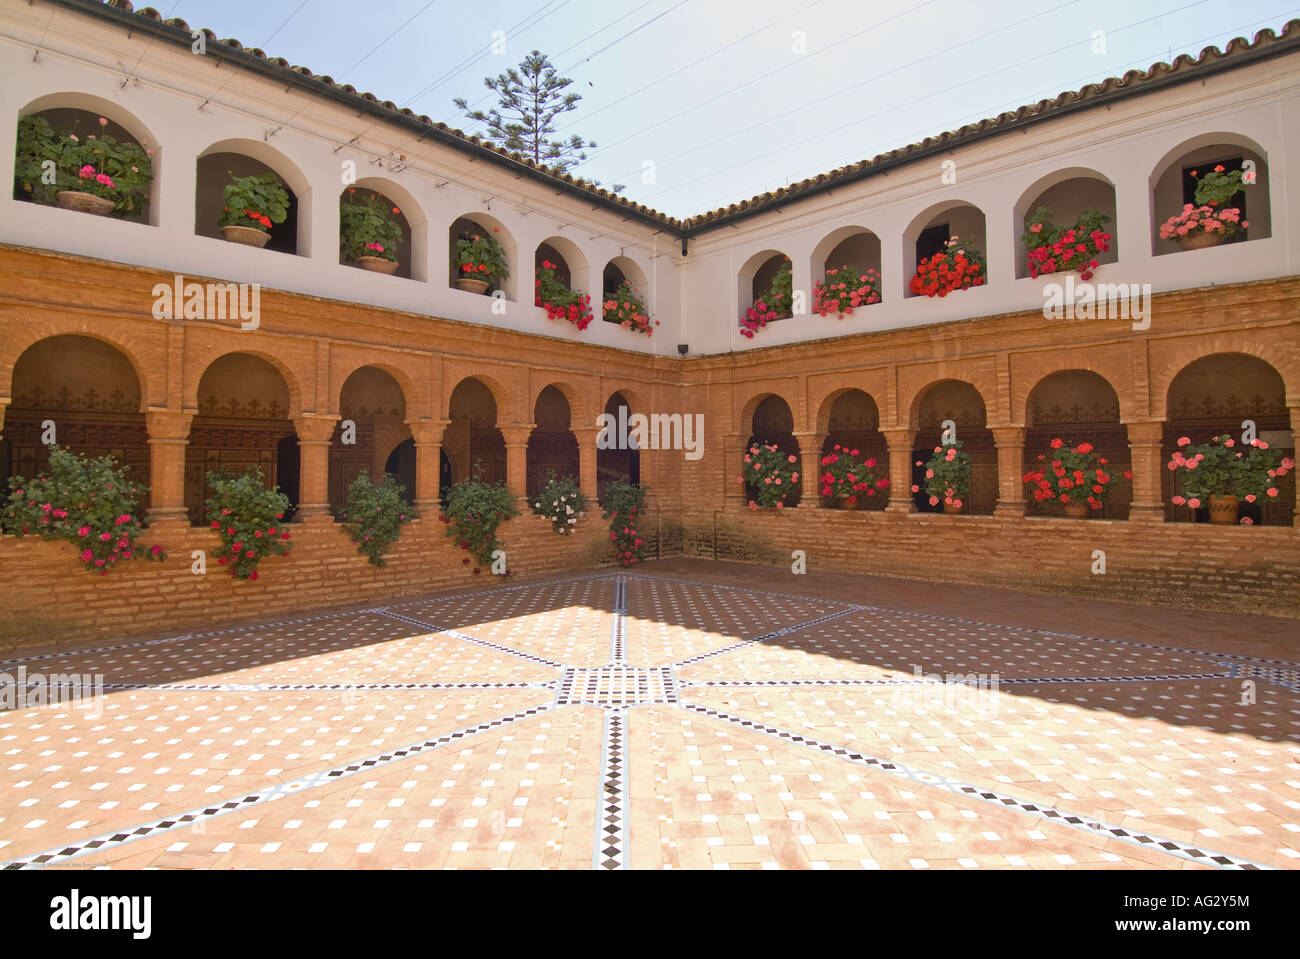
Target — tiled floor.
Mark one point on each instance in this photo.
(686, 715)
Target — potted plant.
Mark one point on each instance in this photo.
(625, 308)
(252, 205)
(773, 473)
(1208, 221)
(959, 266)
(249, 520)
(561, 502)
(623, 502)
(775, 304)
(1057, 249)
(368, 235)
(1075, 477)
(91, 503)
(474, 512)
(849, 480)
(1220, 473)
(374, 514)
(845, 288)
(560, 302)
(480, 262)
(93, 173)
(947, 477)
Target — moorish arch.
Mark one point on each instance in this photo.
(221, 161)
(850, 418)
(473, 442)
(1172, 183)
(620, 459)
(962, 403)
(400, 206)
(1079, 406)
(552, 447)
(88, 392)
(1067, 193)
(1217, 394)
(371, 434)
(771, 422)
(243, 420)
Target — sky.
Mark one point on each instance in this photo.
(730, 98)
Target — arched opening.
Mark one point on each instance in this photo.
(1174, 179)
(242, 421)
(930, 232)
(372, 424)
(1215, 395)
(773, 423)
(471, 225)
(1078, 406)
(620, 271)
(552, 447)
(88, 391)
(474, 445)
(853, 423)
(765, 277)
(569, 263)
(362, 205)
(221, 163)
(620, 461)
(1067, 194)
(854, 247)
(960, 402)
(401, 464)
(86, 119)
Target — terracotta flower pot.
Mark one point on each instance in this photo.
(85, 202)
(949, 508)
(472, 286)
(849, 504)
(245, 235)
(377, 264)
(1198, 241)
(1077, 510)
(1223, 509)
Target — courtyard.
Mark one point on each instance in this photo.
(685, 715)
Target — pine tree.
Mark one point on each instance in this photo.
(530, 99)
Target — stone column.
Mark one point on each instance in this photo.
(428, 464)
(169, 435)
(517, 461)
(1145, 439)
(899, 441)
(1010, 443)
(810, 462)
(315, 431)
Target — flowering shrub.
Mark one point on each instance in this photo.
(848, 479)
(256, 202)
(623, 502)
(473, 513)
(1058, 249)
(367, 229)
(958, 267)
(1224, 467)
(373, 515)
(89, 502)
(480, 257)
(560, 302)
(947, 476)
(92, 163)
(846, 288)
(248, 518)
(776, 304)
(772, 472)
(1208, 214)
(1074, 475)
(626, 309)
(561, 502)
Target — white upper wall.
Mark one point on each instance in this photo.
(697, 299)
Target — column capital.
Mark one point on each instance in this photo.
(163, 425)
(1145, 432)
(315, 427)
(1008, 435)
(425, 432)
(517, 434)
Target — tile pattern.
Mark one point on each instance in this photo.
(629, 653)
